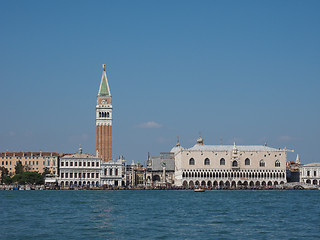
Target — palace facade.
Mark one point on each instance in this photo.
(79, 169)
(31, 161)
(86, 170)
(229, 166)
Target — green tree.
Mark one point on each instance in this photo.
(46, 171)
(33, 178)
(8, 180)
(28, 178)
(4, 173)
(18, 179)
(19, 168)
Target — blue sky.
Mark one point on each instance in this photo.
(237, 70)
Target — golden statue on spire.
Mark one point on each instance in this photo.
(104, 67)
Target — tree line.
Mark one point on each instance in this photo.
(21, 176)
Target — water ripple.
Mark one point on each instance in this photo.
(159, 214)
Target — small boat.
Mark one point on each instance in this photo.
(199, 190)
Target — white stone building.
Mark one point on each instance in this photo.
(113, 173)
(310, 173)
(229, 166)
(79, 169)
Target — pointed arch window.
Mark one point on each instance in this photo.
(191, 161)
(262, 163)
(277, 163)
(234, 163)
(247, 161)
(207, 161)
(222, 161)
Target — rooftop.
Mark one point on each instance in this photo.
(312, 165)
(79, 155)
(104, 89)
(200, 146)
(158, 163)
(30, 154)
(229, 148)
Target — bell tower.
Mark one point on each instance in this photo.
(104, 119)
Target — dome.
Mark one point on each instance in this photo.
(177, 147)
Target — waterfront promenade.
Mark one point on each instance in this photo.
(287, 186)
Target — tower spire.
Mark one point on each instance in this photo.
(178, 142)
(104, 89)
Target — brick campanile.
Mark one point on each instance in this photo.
(104, 119)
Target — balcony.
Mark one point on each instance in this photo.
(235, 165)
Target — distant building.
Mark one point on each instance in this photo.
(160, 170)
(135, 175)
(31, 161)
(85, 170)
(140, 176)
(80, 169)
(113, 173)
(310, 173)
(130, 174)
(293, 170)
(229, 166)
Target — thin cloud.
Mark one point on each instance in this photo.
(150, 124)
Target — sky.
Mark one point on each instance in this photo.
(243, 71)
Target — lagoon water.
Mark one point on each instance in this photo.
(159, 215)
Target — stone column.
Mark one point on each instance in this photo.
(164, 174)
